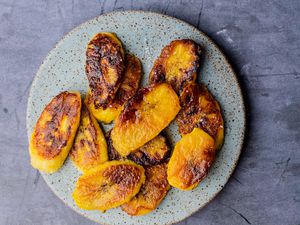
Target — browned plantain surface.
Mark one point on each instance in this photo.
(152, 191)
(200, 109)
(129, 85)
(177, 64)
(112, 184)
(54, 132)
(131, 81)
(191, 159)
(144, 116)
(152, 153)
(111, 151)
(89, 148)
(104, 66)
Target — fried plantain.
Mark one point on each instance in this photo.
(112, 184)
(111, 151)
(192, 157)
(151, 193)
(177, 64)
(89, 149)
(54, 132)
(104, 67)
(200, 109)
(129, 85)
(144, 116)
(153, 152)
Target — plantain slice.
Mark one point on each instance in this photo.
(153, 152)
(177, 64)
(54, 132)
(111, 151)
(192, 157)
(144, 116)
(108, 112)
(89, 149)
(104, 67)
(152, 191)
(112, 184)
(200, 109)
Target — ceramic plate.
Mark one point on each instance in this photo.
(144, 34)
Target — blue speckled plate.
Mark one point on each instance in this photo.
(144, 34)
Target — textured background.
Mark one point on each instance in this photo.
(261, 40)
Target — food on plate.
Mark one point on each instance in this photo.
(200, 109)
(89, 149)
(192, 157)
(144, 116)
(54, 132)
(177, 64)
(112, 184)
(111, 151)
(131, 165)
(151, 193)
(153, 152)
(104, 66)
(108, 112)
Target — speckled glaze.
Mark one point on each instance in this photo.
(144, 34)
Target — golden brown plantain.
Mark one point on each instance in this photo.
(111, 185)
(192, 157)
(54, 132)
(152, 191)
(89, 149)
(130, 83)
(111, 151)
(177, 64)
(153, 152)
(104, 66)
(144, 116)
(200, 109)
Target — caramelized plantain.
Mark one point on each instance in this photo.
(144, 116)
(104, 66)
(177, 64)
(54, 132)
(153, 152)
(192, 157)
(112, 184)
(89, 149)
(152, 191)
(111, 151)
(200, 109)
(130, 83)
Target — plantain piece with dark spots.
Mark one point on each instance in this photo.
(177, 64)
(153, 152)
(144, 116)
(89, 149)
(112, 184)
(191, 159)
(111, 151)
(104, 66)
(200, 109)
(54, 132)
(108, 112)
(152, 192)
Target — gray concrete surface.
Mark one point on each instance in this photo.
(261, 39)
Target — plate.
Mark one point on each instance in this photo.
(143, 34)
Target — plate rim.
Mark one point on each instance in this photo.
(226, 61)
